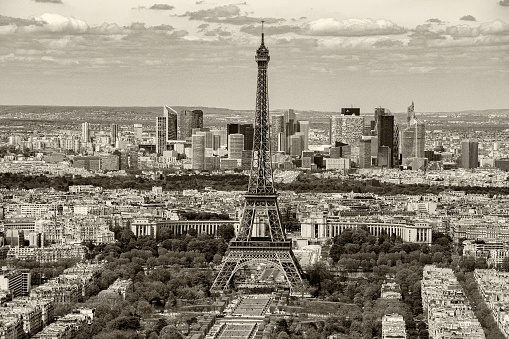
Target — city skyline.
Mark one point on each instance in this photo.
(447, 57)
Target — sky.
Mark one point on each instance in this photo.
(445, 55)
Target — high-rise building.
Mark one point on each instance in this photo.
(290, 127)
(365, 153)
(246, 130)
(384, 121)
(223, 137)
(235, 146)
(186, 121)
(85, 132)
(198, 147)
(303, 128)
(346, 128)
(161, 140)
(469, 154)
(138, 132)
(113, 134)
(171, 123)
(278, 134)
(412, 138)
(296, 145)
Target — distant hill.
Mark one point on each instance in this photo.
(74, 115)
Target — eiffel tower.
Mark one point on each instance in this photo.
(260, 238)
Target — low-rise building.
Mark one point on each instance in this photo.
(393, 327)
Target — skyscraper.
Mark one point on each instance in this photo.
(384, 121)
(235, 146)
(186, 121)
(85, 132)
(277, 134)
(171, 123)
(412, 138)
(303, 128)
(365, 153)
(347, 128)
(296, 145)
(161, 140)
(246, 130)
(138, 132)
(198, 147)
(113, 134)
(469, 154)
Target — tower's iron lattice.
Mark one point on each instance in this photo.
(260, 238)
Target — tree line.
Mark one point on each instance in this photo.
(304, 183)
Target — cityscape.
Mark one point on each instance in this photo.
(384, 218)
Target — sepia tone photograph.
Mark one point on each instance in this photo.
(149, 191)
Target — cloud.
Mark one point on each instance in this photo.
(153, 62)
(203, 27)
(50, 1)
(57, 23)
(504, 3)
(468, 18)
(218, 32)
(228, 14)
(244, 20)
(497, 27)
(163, 28)
(137, 26)
(421, 69)
(162, 7)
(106, 28)
(226, 11)
(6, 20)
(352, 27)
(435, 21)
(271, 30)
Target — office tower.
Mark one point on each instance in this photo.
(296, 145)
(85, 132)
(303, 128)
(469, 154)
(365, 153)
(161, 140)
(223, 137)
(347, 128)
(198, 147)
(412, 138)
(235, 146)
(171, 123)
(384, 121)
(138, 132)
(278, 134)
(396, 161)
(113, 134)
(290, 121)
(216, 141)
(340, 150)
(246, 130)
(186, 121)
(290, 128)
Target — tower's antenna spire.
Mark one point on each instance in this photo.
(262, 31)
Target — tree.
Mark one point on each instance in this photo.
(227, 232)
(170, 332)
